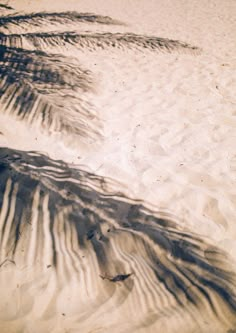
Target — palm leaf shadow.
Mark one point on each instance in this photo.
(120, 40)
(41, 19)
(92, 41)
(38, 87)
(55, 105)
(45, 90)
(194, 273)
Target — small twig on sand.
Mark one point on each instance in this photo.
(117, 278)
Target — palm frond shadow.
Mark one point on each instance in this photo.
(93, 41)
(45, 18)
(49, 90)
(116, 230)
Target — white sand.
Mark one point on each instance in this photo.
(168, 137)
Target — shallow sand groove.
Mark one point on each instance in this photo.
(60, 232)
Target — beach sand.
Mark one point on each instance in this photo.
(154, 141)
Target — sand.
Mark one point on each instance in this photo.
(156, 129)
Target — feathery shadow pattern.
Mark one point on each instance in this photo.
(47, 89)
(44, 18)
(174, 271)
(92, 41)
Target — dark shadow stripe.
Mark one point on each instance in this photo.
(37, 19)
(5, 7)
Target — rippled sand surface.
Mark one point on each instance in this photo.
(117, 166)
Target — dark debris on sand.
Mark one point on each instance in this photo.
(116, 278)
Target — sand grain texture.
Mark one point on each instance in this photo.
(117, 166)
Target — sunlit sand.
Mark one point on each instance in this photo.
(117, 167)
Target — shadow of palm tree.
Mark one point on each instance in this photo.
(118, 231)
(39, 87)
(92, 41)
(47, 89)
(59, 103)
(48, 204)
(45, 18)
